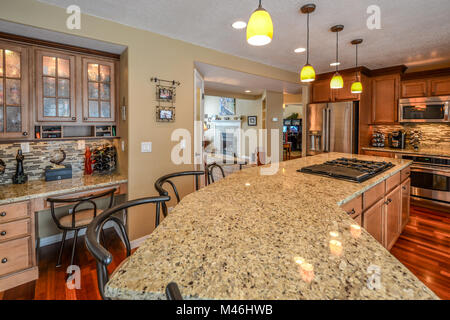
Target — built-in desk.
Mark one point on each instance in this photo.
(18, 206)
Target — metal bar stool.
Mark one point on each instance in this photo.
(92, 239)
(166, 179)
(77, 218)
(209, 171)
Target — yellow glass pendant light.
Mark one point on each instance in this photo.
(308, 74)
(337, 82)
(357, 86)
(260, 27)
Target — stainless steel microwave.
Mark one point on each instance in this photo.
(432, 109)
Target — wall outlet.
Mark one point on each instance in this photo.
(146, 147)
(81, 144)
(25, 146)
(123, 146)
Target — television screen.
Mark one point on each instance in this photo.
(294, 129)
(284, 129)
(296, 122)
(287, 122)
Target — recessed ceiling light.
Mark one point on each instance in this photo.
(333, 64)
(247, 91)
(239, 25)
(299, 50)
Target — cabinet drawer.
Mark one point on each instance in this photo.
(392, 182)
(16, 229)
(405, 173)
(14, 211)
(15, 255)
(373, 195)
(353, 207)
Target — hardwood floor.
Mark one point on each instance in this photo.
(423, 247)
(51, 284)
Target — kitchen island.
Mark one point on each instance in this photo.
(252, 236)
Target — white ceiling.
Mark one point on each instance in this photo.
(217, 78)
(42, 34)
(414, 32)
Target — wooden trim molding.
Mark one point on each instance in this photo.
(55, 45)
(363, 70)
(426, 74)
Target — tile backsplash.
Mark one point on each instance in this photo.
(433, 134)
(39, 157)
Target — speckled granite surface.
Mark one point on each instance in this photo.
(244, 236)
(426, 151)
(40, 189)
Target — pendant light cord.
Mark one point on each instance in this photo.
(260, 5)
(337, 51)
(307, 39)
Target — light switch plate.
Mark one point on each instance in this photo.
(25, 146)
(146, 147)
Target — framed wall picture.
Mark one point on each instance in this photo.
(165, 94)
(252, 121)
(165, 114)
(227, 106)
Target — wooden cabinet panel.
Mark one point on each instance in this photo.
(392, 182)
(373, 195)
(99, 93)
(378, 154)
(10, 212)
(385, 99)
(358, 219)
(320, 91)
(55, 86)
(14, 95)
(15, 255)
(414, 88)
(405, 173)
(353, 207)
(15, 229)
(373, 220)
(406, 202)
(440, 86)
(345, 94)
(393, 209)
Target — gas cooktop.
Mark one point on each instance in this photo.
(354, 170)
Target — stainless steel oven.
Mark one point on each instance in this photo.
(432, 109)
(430, 178)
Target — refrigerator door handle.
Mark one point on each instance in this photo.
(324, 131)
(329, 130)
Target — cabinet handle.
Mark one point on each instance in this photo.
(351, 212)
(3, 214)
(25, 134)
(404, 188)
(74, 118)
(4, 260)
(84, 118)
(3, 233)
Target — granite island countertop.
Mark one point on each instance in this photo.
(10, 193)
(423, 151)
(243, 238)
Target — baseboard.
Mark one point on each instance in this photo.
(137, 242)
(47, 241)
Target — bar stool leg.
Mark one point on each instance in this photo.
(74, 246)
(61, 248)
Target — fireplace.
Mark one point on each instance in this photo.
(228, 145)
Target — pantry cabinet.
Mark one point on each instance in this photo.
(14, 95)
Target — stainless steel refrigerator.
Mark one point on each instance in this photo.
(332, 127)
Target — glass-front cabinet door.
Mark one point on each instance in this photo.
(98, 91)
(13, 91)
(55, 87)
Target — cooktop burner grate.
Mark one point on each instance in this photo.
(354, 170)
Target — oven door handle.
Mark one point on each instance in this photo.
(431, 170)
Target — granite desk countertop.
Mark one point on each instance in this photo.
(11, 193)
(252, 236)
(423, 151)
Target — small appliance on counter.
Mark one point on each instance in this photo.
(397, 139)
(378, 138)
(57, 171)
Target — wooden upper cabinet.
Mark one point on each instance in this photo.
(55, 87)
(320, 91)
(414, 88)
(385, 94)
(98, 90)
(345, 94)
(14, 106)
(440, 86)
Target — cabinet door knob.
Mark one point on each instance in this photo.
(352, 212)
(3, 214)
(4, 260)
(3, 233)
(25, 134)
(74, 118)
(84, 118)
(404, 188)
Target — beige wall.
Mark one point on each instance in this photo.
(149, 55)
(274, 110)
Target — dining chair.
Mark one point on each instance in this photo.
(209, 171)
(78, 217)
(102, 256)
(167, 179)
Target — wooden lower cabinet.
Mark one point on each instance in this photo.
(392, 216)
(373, 220)
(384, 154)
(406, 202)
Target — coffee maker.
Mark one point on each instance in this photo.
(397, 139)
